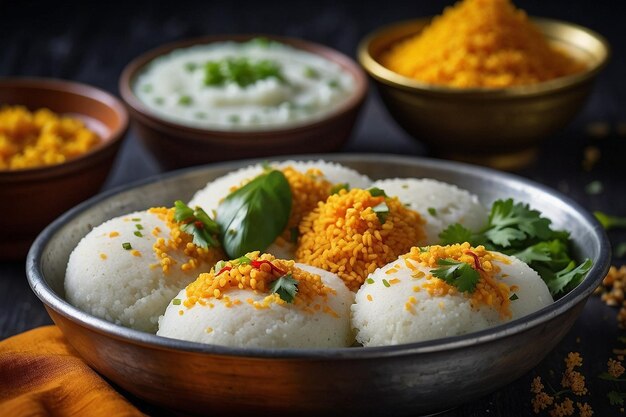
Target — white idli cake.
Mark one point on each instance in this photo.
(439, 203)
(128, 269)
(356, 231)
(310, 181)
(442, 291)
(261, 301)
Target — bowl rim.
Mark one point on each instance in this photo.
(579, 294)
(134, 67)
(111, 140)
(384, 75)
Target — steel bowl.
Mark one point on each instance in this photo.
(406, 379)
(499, 127)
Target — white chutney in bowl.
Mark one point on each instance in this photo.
(249, 85)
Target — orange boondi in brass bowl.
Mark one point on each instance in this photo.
(481, 43)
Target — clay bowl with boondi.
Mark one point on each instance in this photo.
(175, 144)
(409, 379)
(31, 198)
(500, 127)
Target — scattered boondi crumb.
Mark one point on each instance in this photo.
(572, 382)
(611, 291)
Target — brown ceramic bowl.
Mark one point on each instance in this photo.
(177, 145)
(500, 127)
(32, 198)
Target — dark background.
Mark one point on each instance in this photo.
(92, 42)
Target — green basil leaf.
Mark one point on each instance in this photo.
(253, 216)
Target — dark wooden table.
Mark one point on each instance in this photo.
(92, 43)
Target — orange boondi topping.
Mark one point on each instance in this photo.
(258, 274)
(480, 43)
(489, 290)
(179, 240)
(344, 235)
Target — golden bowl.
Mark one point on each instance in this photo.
(499, 127)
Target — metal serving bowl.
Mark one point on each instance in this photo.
(413, 378)
(500, 127)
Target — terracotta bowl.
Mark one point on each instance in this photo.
(32, 198)
(176, 145)
(499, 127)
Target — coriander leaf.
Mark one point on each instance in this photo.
(456, 233)
(253, 216)
(382, 211)
(459, 274)
(376, 192)
(286, 287)
(201, 236)
(609, 222)
(539, 252)
(196, 223)
(569, 277)
(181, 211)
(509, 221)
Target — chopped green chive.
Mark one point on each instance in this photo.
(333, 84)
(233, 118)
(369, 281)
(176, 301)
(159, 101)
(191, 66)
(620, 250)
(200, 115)
(138, 233)
(126, 246)
(185, 100)
(147, 88)
(432, 211)
(311, 72)
(514, 297)
(139, 227)
(386, 283)
(136, 219)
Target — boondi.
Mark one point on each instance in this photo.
(480, 43)
(40, 138)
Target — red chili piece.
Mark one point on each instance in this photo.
(257, 264)
(199, 224)
(226, 268)
(477, 264)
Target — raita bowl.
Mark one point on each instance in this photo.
(175, 144)
(409, 379)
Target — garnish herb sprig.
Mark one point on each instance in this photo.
(459, 274)
(286, 287)
(196, 223)
(515, 229)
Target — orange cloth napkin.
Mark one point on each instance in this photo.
(42, 375)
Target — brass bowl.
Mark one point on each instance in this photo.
(409, 379)
(170, 141)
(31, 198)
(497, 127)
